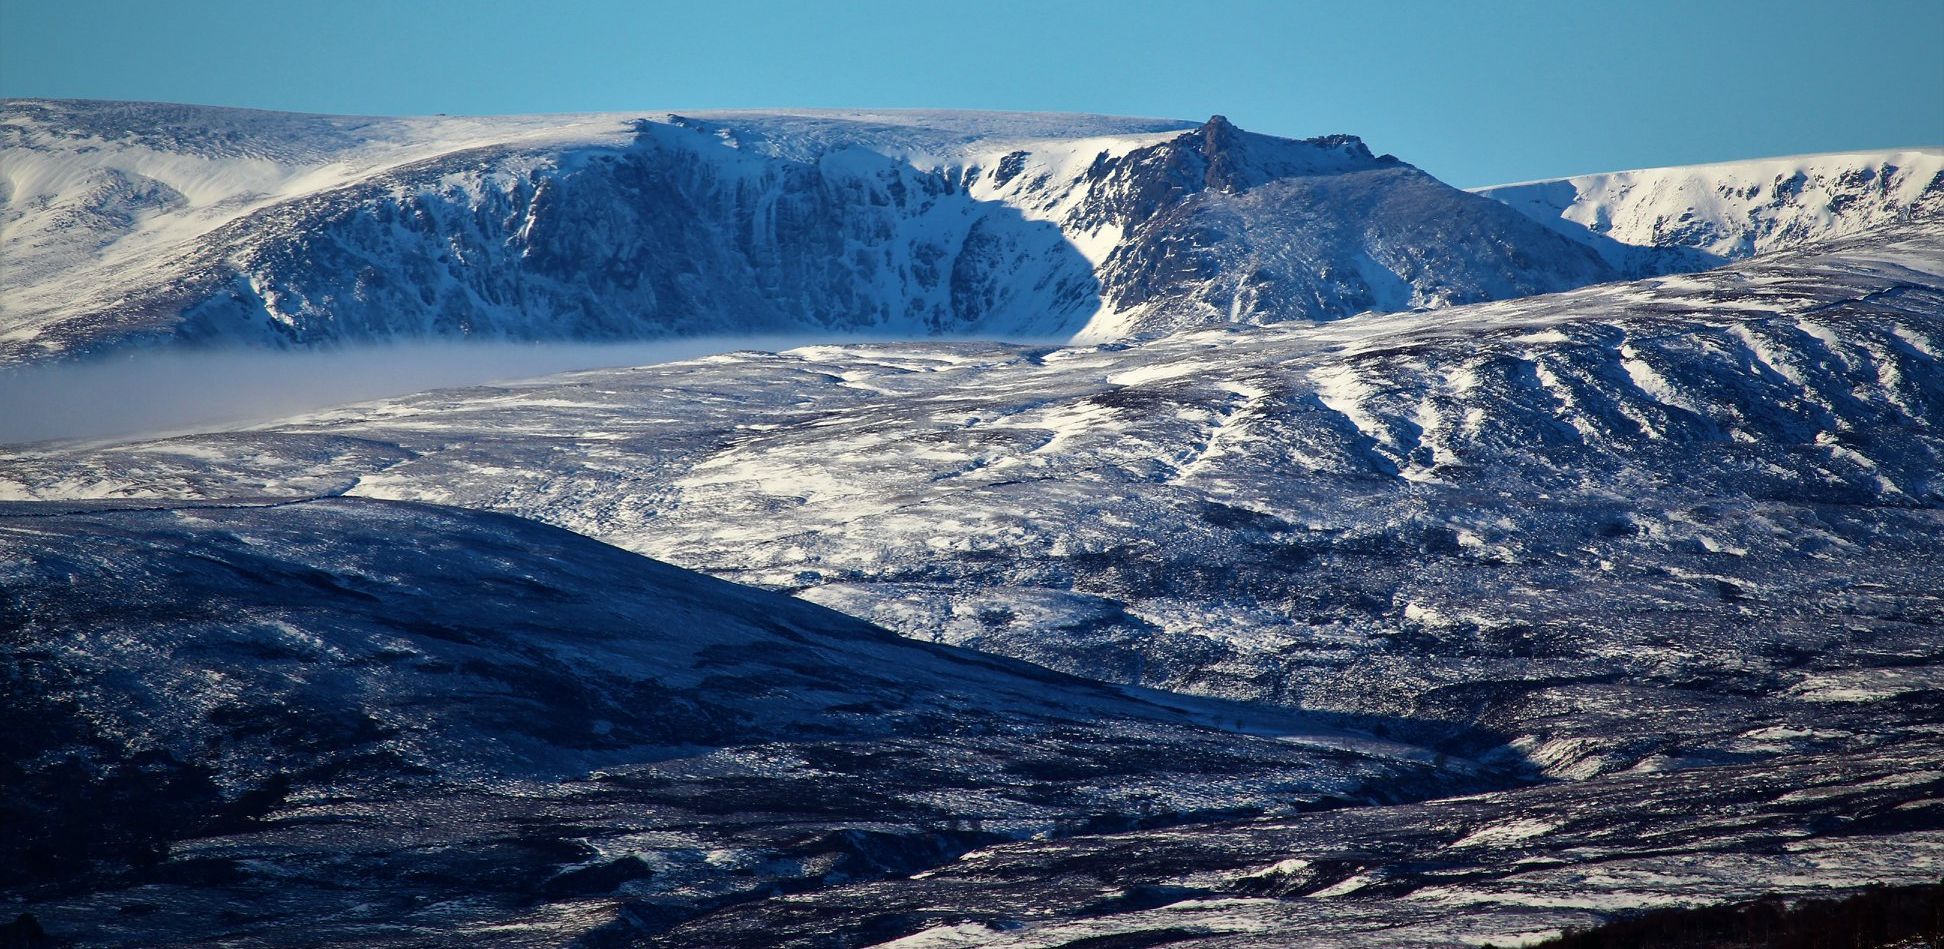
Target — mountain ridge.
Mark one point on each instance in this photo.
(626, 225)
(1681, 218)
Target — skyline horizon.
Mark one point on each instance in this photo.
(1937, 145)
(1519, 92)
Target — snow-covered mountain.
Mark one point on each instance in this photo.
(127, 222)
(1185, 512)
(1657, 555)
(1274, 609)
(1687, 218)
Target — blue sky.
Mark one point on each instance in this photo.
(1476, 93)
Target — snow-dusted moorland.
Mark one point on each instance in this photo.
(1344, 560)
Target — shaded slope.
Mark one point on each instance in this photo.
(371, 722)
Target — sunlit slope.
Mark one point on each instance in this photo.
(1663, 220)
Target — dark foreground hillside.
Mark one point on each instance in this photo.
(1900, 916)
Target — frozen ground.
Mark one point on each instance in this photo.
(1618, 597)
(375, 722)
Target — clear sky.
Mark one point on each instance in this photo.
(1474, 92)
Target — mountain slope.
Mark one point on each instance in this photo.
(1666, 545)
(129, 222)
(1686, 218)
(1263, 514)
(382, 723)
(1225, 226)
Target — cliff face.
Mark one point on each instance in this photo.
(618, 227)
(671, 235)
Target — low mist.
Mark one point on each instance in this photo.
(157, 392)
